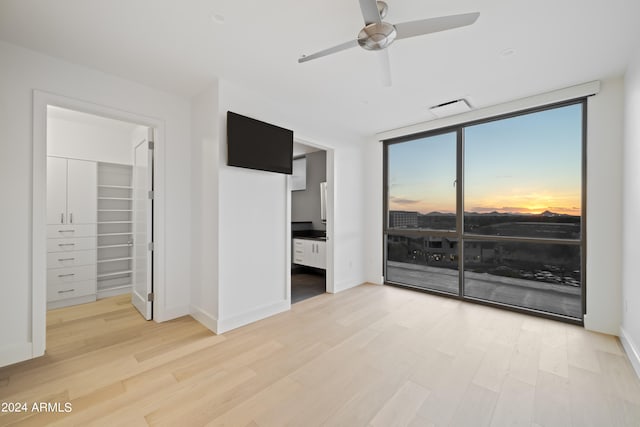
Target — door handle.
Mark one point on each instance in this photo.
(70, 218)
(62, 218)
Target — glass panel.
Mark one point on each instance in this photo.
(425, 262)
(543, 277)
(421, 183)
(523, 175)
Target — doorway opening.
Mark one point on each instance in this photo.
(99, 210)
(309, 222)
(92, 176)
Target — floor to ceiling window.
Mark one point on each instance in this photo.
(492, 210)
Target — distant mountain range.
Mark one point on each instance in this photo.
(546, 213)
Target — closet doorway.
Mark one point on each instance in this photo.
(99, 209)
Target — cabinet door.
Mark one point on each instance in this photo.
(321, 255)
(82, 199)
(56, 190)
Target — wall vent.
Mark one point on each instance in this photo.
(450, 108)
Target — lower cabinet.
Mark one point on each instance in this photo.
(310, 252)
(71, 265)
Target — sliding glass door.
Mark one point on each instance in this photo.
(422, 200)
(492, 211)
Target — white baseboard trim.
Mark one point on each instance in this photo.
(170, 314)
(251, 316)
(207, 319)
(343, 286)
(71, 301)
(106, 293)
(15, 353)
(632, 350)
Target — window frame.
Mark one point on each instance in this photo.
(460, 233)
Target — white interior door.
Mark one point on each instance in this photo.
(142, 290)
(56, 190)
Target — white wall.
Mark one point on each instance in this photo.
(251, 208)
(604, 208)
(88, 141)
(373, 171)
(604, 197)
(204, 212)
(630, 330)
(21, 72)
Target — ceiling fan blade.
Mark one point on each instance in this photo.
(434, 25)
(385, 67)
(370, 11)
(329, 51)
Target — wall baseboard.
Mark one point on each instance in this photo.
(632, 350)
(205, 318)
(251, 316)
(343, 286)
(16, 353)
(170, 314)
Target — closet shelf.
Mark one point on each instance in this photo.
(124, 245)
(114, 222)
(114, 273)
(120, 187)
(114, 259)
(115, 198)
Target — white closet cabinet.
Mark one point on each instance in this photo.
(71, 231)
(71, 191)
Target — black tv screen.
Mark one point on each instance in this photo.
(258, 145)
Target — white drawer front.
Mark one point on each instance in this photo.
(70, 259)
(70, 245)
(60, 291)
(70, 274)
(71, 230)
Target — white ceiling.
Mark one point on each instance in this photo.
(177, 46)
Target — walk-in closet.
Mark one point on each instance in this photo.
(99, 208)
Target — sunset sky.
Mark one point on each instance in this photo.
(525, 164)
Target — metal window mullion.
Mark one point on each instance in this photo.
(460, 207)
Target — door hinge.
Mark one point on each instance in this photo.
(150, 296)
(151, 246)
(151, 145)
(151, 194)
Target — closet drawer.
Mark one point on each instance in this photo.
(71, 230)
(70, 259)
(70, 274)
(60, 291)
(70, 245)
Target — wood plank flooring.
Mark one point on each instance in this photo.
(369, 356)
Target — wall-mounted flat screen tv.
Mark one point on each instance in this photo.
(258, 145)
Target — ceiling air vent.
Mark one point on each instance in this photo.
(450, 108)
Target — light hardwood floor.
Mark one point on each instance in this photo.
(373, 355)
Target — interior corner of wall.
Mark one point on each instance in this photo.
(632, 350)
(207, 319)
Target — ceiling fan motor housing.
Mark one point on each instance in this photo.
(377, 36)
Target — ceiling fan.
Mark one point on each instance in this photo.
(378, 35)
